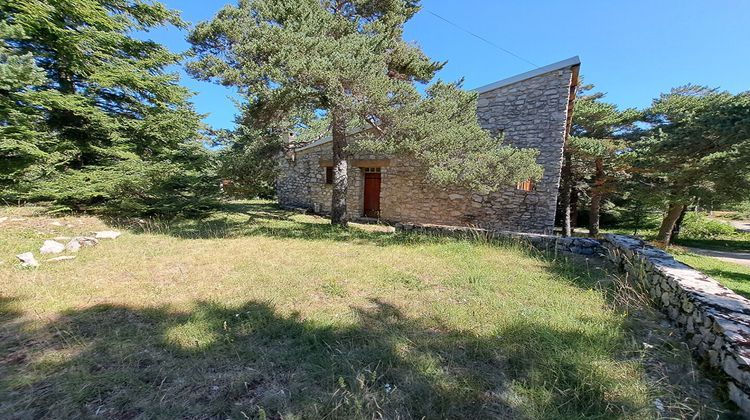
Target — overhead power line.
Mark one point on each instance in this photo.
(480, 37)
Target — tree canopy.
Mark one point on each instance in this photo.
(90, 114)
(697, 148)
(599, 147)
(347, 61)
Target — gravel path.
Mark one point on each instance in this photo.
(742, 258)
(741, 225)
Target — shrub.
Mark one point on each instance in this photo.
(133, 188)
(698, 226)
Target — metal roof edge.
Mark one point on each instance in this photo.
(569, 62)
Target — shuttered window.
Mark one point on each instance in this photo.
(329, 174)
(527, 185)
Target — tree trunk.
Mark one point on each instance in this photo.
(565, 191)
(340, 170)
(574, 200)
(667, 224)
(678, 225)
(596, 197)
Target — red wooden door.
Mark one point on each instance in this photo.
(372, 194)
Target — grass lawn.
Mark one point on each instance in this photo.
(739, 242)
(261, 313)
(734, 276)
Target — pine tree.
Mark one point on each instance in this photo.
(599, 148)
(347, 61)
(22, 130)
(698, 149)
(113, 115)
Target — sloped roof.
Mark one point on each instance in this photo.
(570, 62)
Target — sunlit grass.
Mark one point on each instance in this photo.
(256, 310)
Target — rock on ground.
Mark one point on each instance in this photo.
(80, 241)
(63, 258)
(52, 247)
(107, 234)
(28, 260)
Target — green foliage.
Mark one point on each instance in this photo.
(93, 109)
(22, 135)
(698, 226)
(347, 61)
(600, 153)
(698, 146)
(741, 211)
(134, 187)
(248, 160)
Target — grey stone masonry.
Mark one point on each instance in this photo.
(530, 111)
(715, 320)
(570, 245)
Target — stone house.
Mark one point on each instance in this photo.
(532, 109)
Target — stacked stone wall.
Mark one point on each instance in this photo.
(716, 320)
(570, 245)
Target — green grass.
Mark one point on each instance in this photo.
(733, 276)
(260, 313)
(738, 242)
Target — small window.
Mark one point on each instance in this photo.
(372, 170)
(527, 185)
(329, 174)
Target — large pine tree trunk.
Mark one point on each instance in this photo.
(565, 192)
(340, 170)
(574, 210)
(667, 224)
(596, 198)
(678, 224)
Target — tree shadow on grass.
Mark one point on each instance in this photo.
(218, 361)
(731, 245)
(244, 219)
(727, 274)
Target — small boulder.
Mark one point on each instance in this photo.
(52, 247)
(73, 246)
(63, 258)
(86, 240)
(107, 234)
(27, 260)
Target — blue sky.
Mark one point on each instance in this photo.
(633, 50)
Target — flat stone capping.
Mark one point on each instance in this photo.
(715, 319)
(572, 245)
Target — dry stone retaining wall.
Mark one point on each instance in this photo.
(572, 245)
(715, 319)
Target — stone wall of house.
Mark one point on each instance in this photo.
(715, 320)
(302, 182)
(529, 113)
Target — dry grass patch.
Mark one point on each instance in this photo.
(257, 312)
